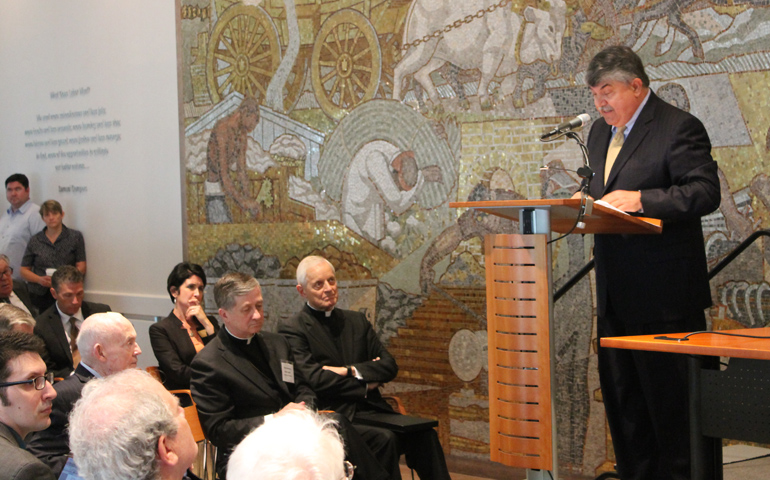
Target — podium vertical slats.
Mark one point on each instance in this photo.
(519, 351)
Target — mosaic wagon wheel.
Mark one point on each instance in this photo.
(346, 63)
(243, 52)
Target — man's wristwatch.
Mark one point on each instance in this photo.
(350, 371)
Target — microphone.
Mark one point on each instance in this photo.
(573, 124)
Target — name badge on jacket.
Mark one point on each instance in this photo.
(287, 371)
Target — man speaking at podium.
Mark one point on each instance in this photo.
(651, 159)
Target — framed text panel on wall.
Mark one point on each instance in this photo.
(90, 113)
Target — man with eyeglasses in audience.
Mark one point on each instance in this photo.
(13, 291)
(26, 396)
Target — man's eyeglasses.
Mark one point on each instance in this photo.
(350, 469)
(8, 271)
(38, 382)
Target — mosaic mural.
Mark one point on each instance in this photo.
(345, 128)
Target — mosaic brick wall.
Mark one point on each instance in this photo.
(345, 87)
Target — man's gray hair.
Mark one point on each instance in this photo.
(115, 427)
(306, 264)
(11, 315)
(298, 445)
(232, 285)
(5, 258)
(102, 328)
(618, 63)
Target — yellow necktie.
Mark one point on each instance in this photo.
(612, 152)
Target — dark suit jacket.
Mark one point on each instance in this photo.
(17, 463)
(175, 351)
(20, 289)
(233, 396)
(667, 156)
(58, 357)
(52, 444)
(313, 348)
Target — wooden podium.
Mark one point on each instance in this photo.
(520, 318)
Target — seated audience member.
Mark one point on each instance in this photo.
(343, 360)
(177, 338)
(49, 249)
(128, 426)
(59, 325)
(300, 445)
(16, 319)
(244, 378)
(107, 345)
(14, 291)
(26, 394)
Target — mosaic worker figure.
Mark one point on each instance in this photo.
(226, 151)
(653, 159)
(339, 353)
(381, 176)
(244, 378)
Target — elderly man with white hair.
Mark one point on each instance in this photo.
(127, 427)
(107, 343)
(300, 445)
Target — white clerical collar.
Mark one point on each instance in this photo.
(327, 313)
(247, 340)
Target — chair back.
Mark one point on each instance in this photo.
(155, 372)
(191, 414)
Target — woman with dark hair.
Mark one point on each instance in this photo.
(177, 338)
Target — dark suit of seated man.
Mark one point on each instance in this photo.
(243, 378)
(61, 343)
(107, 343)
(339, 353)
(13, 291)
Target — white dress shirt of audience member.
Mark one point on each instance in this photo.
(19, 222)
(128, 426)
(26, 395)
(107, 343)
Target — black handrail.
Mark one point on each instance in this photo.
(575, 279)
(738, 250)
(712, 273)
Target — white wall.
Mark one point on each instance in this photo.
(107, 68)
